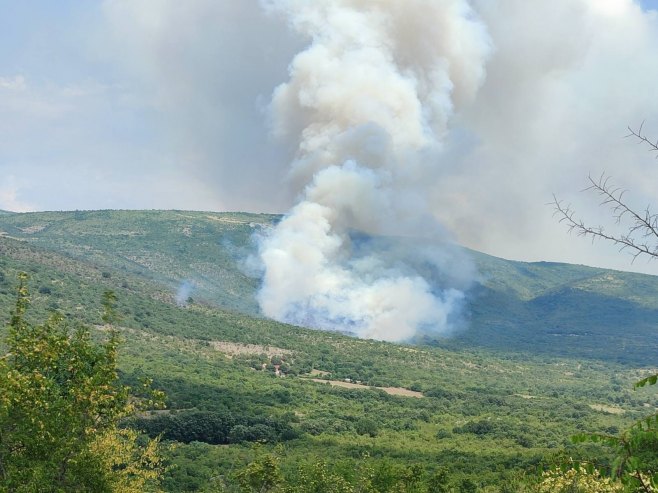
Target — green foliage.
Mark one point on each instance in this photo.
(577, 479)
(366, 426)
(318, 478)
(467, 485)
(534, 307)
(636, 460)
(512, 408)
(261, 475)
(109, 302)
(216, 427)
(650, 380)
(482, 427)
(438, 482)
(60, 403)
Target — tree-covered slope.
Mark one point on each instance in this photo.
(482, 415)
(564, 309)
(541, 307)
(207, 249)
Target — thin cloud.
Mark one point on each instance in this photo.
(10, 197)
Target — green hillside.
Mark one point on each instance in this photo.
(240, 386)
(562, 309)
(167, 247)
(540, 308)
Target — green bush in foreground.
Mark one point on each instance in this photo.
(60, 404)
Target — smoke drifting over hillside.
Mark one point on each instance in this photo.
(366, 106)
(469, 114)
(184, 292)
(563, 80)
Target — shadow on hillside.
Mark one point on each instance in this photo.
(566, 322)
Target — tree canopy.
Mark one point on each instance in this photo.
(61, 403)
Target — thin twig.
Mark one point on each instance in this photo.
(642, 138)
(641, 236)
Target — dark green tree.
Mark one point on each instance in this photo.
(438, 482)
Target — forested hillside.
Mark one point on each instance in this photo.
(245, 390)
(539, 308)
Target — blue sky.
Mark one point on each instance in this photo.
(163, 104)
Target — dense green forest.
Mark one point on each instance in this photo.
(549, 351)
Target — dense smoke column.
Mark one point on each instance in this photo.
(366, 106)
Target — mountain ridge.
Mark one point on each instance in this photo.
(502, 395)
(527, 306)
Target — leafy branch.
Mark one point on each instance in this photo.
(641, 238)
(650, 380)
(628, 465)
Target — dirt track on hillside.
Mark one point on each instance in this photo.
(389, 390)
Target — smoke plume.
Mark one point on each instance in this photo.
(366, 107)
(184, 292)
(563, 80)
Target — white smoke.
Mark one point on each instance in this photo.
(184, 292)
(367, 105)
(564, 79)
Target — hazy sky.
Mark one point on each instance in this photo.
(142, 104)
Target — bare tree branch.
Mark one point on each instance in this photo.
(642, 228)
(642, 139)
(641, 236)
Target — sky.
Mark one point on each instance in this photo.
(161, 104)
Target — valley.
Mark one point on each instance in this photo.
(547, 351)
